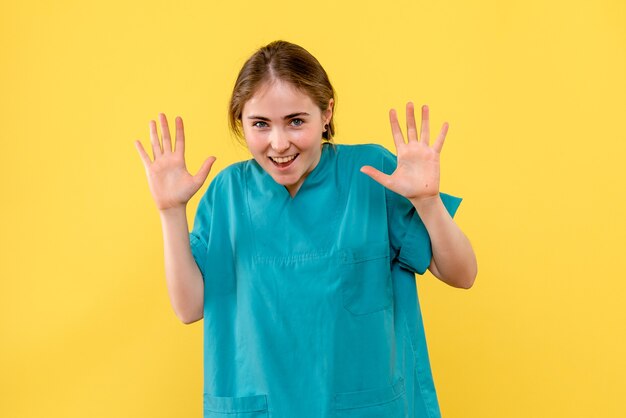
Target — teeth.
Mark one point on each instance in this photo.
(282, 160)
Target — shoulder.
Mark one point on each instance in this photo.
(226, 182)
(366, 154)
(231, 174)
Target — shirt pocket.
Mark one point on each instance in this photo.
(254, 406)
(366, 278)
(388, 402)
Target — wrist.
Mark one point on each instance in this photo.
(173, 211)
(425, 205)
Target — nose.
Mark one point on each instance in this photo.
(279, 141)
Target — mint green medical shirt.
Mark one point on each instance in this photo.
(310, 303)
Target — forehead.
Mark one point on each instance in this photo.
(278, 98)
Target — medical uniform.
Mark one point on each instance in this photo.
(310, 303)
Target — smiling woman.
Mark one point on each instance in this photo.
(286, 144)
(302, 260)
(284, 62)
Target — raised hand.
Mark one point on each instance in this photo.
(170, 183)
(417, 174)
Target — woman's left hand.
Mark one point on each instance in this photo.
(417, 174)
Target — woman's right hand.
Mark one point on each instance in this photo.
(170, 183)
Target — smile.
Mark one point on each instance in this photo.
(283, 162)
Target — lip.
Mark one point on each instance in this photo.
(283, 168)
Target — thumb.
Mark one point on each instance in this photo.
(204, 170)
(378, 176)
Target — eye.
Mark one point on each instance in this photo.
(256, 124)
(297, 121)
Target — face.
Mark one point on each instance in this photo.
(283, 130)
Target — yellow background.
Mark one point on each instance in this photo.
(535, 94)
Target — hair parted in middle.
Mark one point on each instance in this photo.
(288, 62)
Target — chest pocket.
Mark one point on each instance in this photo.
(366, 278)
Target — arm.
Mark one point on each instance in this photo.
(184, 279)
(453, 259)
(172, 186)
(416, 177)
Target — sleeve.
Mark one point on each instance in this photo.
(408, 236)
(200, 233)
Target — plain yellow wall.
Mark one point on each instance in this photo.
(534, 92)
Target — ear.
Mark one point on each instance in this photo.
(328, 113)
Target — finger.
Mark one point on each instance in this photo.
(165, 133)
(379, 176)
(425, 131)
(398, 139)
(180, 137)
(143, 154)
(438, 145)
(204, 170)
(154, 139)
(411, 130)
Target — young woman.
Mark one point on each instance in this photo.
(301, 260)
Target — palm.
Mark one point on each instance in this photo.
(417, 173)
(170, 182)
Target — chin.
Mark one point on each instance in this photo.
(283, 182)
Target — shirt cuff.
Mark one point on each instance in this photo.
(416, 251)
(198, 250)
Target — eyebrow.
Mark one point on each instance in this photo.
(293, 115)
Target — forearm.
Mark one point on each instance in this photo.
(452, 252)
(184, 279)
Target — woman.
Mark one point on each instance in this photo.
(301, 260)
